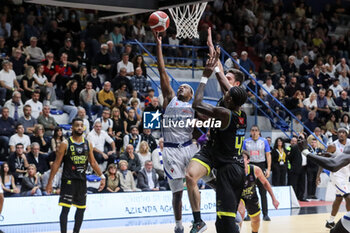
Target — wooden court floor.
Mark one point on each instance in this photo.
(312, 223)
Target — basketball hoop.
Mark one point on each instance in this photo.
(187, 18)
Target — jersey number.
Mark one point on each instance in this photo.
(239, 144)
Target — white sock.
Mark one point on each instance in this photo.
(331, 218)
(178, 223)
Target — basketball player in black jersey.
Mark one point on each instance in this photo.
(197, 167)
(223, 148)
(249, 194)
(75, 153)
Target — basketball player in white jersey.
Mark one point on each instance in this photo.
(337, 161)
(340, 179)
(178, 146)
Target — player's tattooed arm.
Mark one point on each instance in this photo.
(167, 91)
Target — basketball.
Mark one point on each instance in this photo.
(159, 21)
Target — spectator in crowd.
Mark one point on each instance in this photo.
(147, 179)
(297, 126)
(106, 121)
(260, 155)
(151, 141)
(82, 115)
(47, 121)
(40, 138)
(344, 123)
(133, 159)
(106, 96)
(56, 182)
(310, 87)
(35, 53)
(319, 138)
(344, 80)
(130, 121)
(174, 50)
(140, 82)
(331, 103)
(266, 67)
(153, 106)
(7, 129)
(331, 67)
(64, 71)
(122, 79)
(150, 96)
(122, 92)
(103, 62)
(71, 100)
(144, 153)
(98, 139)
(311, 171)
(292, 87)
(72, 60)
(31, 183)
(83, 55)
(57, 138)
(112, 179)
(8, 182)
(28, 82)
(246, 63)
(279, 163)
(88, 100)
(343, 101)
(18, 163)
(132, 138)
(122, 108)
(21, 138)
(8, 81)
(55, 36)
(47, 92)
(114, 56)
(38, 159)
(139, 62)
(81, 78)
(336, 88)
(311, 123)
(115, 36)
(305, 68)
(342, 66)
(15, 106)
(332, 126)
(289, 68)
(127, 65)
(19, 62)
(35, 104)
(127, 183)
(311, 103)
(134, 104)
(50, 67)
(30, 30)
(118, 128)
(94, 78)
(322, 106)
(268, 86)
(230, 64)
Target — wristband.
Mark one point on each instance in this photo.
(102, 177)
(217, 70)
(54, 191)
(305, 152)
(204, 80)
(11, 190)
(13, 89)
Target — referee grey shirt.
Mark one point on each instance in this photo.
(257, 149)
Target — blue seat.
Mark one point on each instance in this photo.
(65, 126)
(56, 112)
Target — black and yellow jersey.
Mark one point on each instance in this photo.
(249, 190)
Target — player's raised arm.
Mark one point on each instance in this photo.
(203, 108)
(56, 164)
(260, 175)
(219, 71)
(167, 91)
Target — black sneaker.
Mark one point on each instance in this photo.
(247, 218)
(266, 218)
(330, 225)
(199, 227)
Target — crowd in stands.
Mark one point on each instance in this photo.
(50, 60)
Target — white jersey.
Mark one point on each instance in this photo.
(176, 112)
(344, 172)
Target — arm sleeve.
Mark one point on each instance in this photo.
(244, 147)
(267, 146)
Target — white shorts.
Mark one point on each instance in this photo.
(342, 186)
(175, 163)
(1, 190)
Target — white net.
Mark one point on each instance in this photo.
(187, 18)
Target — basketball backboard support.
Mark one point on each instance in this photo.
(117, 8)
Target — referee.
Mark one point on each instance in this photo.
(260, 155)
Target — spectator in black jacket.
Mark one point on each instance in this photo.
(103, 62)
(18, 163)
(121, 79)
(151, 141)
(39, 137)
(71, 100)
(297, 171)
(343, 101)
(133, 160)
(147, 179)
(7, 129)
(31, 183)
(39, 160)
(94, 78)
